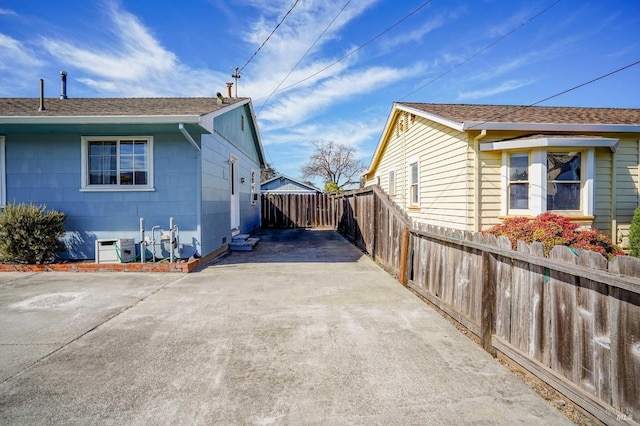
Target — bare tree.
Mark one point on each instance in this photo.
(335, 164)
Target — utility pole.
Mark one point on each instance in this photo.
(236, 75)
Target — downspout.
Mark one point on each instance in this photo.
(188, 136)
(198, 189)
(476, 180)
(614, 210)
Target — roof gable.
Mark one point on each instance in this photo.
(468, 116)
(286, 184)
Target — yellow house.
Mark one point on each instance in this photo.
(469, 166)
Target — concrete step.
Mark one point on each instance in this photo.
(246, 244)
(240, 238)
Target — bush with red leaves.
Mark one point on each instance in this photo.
(554, 230)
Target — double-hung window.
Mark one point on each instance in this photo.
(414, 185)
(392, 182)
(549, 173)
(545, 180)
(518, 181)
(117, 163)
(3, 175)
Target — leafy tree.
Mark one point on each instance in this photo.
(331, 187)
(30, 234)
(335, 164)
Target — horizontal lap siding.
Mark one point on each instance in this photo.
(626, 186)
(490, 189)
(602, 207)
(443, 174)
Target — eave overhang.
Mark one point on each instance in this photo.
(551, 142)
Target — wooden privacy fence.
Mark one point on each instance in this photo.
(298, 211)
(572, 319)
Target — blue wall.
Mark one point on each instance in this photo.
(46, 169)
(216, 195)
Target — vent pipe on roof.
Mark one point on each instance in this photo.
(229, 89)
(63, 83)
(41, 108)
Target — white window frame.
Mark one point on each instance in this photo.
(3, 174)
(254, 192)
(410, 184)
(538, 182)
(86, 187)
(508, 183)
(391, 177)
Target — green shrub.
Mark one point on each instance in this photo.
(554, 230)
(634, 234)
(30, 234)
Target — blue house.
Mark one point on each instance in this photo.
(142, 169)
(282, 184)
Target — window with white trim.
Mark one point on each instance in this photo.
(3, 174)
(254, 192)
(518, 181)
(117, 163)
(414, 186)
(392, 182)
(563, 180)
(542, 180)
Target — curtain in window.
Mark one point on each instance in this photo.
(103, 163)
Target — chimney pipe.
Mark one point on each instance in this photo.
(42, 108)
(63, 82)
(229, 89)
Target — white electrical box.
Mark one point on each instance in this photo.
(115, 250)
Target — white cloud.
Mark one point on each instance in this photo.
(134, 64)
(14, 54)
(7, 12)
(295, 108)
(504, 87)
(19, 66)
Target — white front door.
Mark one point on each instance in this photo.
(234, 180)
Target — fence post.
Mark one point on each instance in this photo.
(487, 320)
(404, 251)
(374, 220)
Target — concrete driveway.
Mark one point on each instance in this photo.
(304, 330)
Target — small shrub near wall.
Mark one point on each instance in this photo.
(29, 234)
(554, 230)
(634, 234)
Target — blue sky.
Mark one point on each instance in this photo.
(476, 51)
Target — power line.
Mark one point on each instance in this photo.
(481, 50)
(558, 94)
(413, 12)
(267, 39)
(303, 56)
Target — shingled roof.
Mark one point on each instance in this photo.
(76, 107)
(464, 113)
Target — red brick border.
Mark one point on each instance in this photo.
(184, 267)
